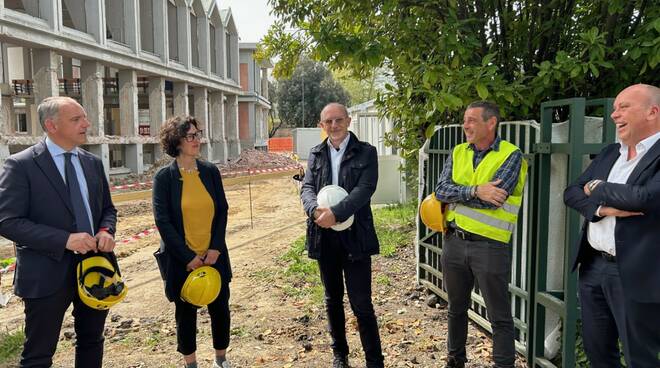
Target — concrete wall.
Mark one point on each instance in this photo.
(304, 139)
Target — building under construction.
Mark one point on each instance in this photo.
(131, 64)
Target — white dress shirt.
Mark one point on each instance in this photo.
(601, 233)
(57, 153)
(335, 157)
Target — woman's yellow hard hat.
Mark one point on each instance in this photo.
(202, 286)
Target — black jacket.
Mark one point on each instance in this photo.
(637, 238)
(174, 254)
(36, 213)
(358, 174)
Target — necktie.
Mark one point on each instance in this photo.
(79, 210)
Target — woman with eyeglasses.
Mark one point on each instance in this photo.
(190, 209)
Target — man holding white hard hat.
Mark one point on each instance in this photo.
(341, 177)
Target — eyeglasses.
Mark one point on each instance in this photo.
(338, 121)
(197, 135)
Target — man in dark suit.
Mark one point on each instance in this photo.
(345, 255)
(619, 250)
(55, 206)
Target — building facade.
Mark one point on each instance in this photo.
(253, 105)
(131, 64)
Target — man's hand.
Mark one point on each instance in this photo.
(81, 243)
(195, 263)
(326, 218)
(105, 241)
(590, 186)
(611, 211)
(489, 192)
(211, 257)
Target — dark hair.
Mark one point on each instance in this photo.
(175, 129)
(490, 110)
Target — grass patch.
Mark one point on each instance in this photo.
(239, 331)
(302, 274)
(11, 346)
(395, 226)
(382, 279)
(7, 261)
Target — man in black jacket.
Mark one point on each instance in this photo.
(618, 251)
(343, 160)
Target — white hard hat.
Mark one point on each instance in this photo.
(329, 196)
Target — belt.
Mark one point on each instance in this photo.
(606, 256)
(466, 235)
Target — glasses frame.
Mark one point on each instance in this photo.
(337, 121)
(197, 135)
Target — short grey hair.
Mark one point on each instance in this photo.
(490, 109)
(50, 107)
(337, 104)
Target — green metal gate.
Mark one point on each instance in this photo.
(530, 297)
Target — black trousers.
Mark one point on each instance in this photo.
(186, 322)
(335, 267)
(608, 316)
(489, 262)
(43, 321)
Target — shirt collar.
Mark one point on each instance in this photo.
(56, 150)
(643, 145)
(495, 146)
(342, 145)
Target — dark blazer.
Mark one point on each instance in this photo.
(174, 254)
(637, 237)
(358, 174)
(36, 214)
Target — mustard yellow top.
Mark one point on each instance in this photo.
(198, 209)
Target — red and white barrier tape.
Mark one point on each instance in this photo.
(227, 174)
(140, 235)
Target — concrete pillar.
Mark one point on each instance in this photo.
(231, 127)
(200, 95)
(91, 82)
(217, 127)
(46, 63)
(134, 159)
(128, 103)
(157, 112)
(67, 67)
(180, 92)
(103, 152)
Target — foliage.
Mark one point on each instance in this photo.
(359, 89)
(7, 261)
(11, 345)
(302, 97)
(444, 54)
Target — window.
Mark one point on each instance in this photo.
(21, 123)
(172, 31)
(114, 26)
(74, 14)
(29, 7)
(214, 62)
(146, 20)
(194, 40)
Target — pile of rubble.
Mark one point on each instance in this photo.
(251, 159)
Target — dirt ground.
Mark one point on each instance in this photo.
(269, 328)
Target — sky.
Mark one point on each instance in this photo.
(251, 16)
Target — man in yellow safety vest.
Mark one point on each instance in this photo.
(482, 181)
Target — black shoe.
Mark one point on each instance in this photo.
(340, 361)
(454, 363)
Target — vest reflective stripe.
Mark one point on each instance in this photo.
(488, 220)
(497, 224)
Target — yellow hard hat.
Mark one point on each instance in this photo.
(99, 283)
(202, 286)
(431, 211)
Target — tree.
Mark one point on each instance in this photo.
(359, 89)
(302, 97)
(444, 54)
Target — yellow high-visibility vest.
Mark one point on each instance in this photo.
(497, 224)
